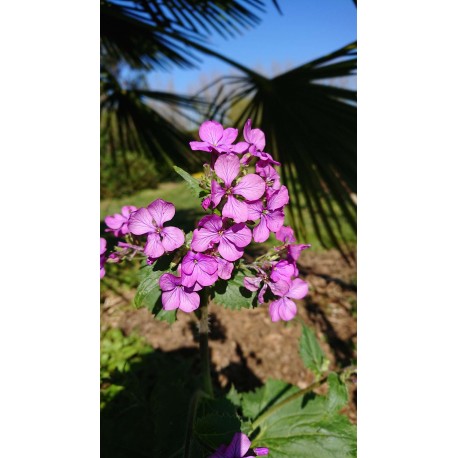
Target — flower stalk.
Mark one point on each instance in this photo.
(203, 343)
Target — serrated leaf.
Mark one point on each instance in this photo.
(234, 396)
(306, 426)
(337, 392)
(148, 292)
(217, 422)
(232, 293)
(311, 353)
(256, 402)
(190, 180)
(215, 429)
(149, 295)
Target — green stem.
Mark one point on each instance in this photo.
(190, 423)
(203, 343)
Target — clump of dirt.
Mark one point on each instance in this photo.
(246, 347)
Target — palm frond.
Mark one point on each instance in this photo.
(131, 122)
(310, 127)
(149, 34)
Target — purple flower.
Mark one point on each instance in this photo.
(284, 308)
(270, 175)
(251, 187)
(200, 268)
(270, 214)
(230, 240)
(175, 295)
(225, 268)
(257, 142)
(253, 283)
(103, 248)
(285, 234)
(216, 138)
(238, 448)
(151, 221)
(282, 270)
(118, 223)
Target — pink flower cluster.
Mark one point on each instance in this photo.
(244, 206)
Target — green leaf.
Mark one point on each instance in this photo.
(148, 292)
(149, 295)
(258, 401)
(232, 293)
(337, 392)
(304, 426)
(192, 182)
(311, 353)
(217, 422)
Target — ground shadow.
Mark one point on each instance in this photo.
(145, 403)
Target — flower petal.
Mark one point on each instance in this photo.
(287, 309)
(239, 445)
(278, 199)
(103, 245)
(127, 210)
(229, 251)
(154, 246)
(261, 293)
(240, 147)
(235, 209)
(282, 270)
(200, 146)
(261, 232)
(225, 268)
(261, 451)
(227, 167)
(273, 310)
(141, 222)
(167, 282)
(172, 238)
(298, 289)
(255, 210)
(189, 301)
(203, 238)
(275, 220)
(217, 193)
(279, 288)
(115, 221)
(251, 187)
(285, 234)
(171, 299)
(211, 132)
(161, 211)
(239, 234)
(252, 283)
(229, 136)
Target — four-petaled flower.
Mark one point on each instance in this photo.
(151, 221)
(251, 187)
(175, 295)
(270, 214)
(284, 308)
(198, 268)
(238, 448)
(231, 240)
(118, 223)
(216, 138)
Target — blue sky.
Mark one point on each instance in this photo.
(306, 30)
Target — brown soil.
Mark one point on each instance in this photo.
(246, 347)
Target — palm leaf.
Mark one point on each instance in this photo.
(311, 129)
(132, 123)
(148, 34)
